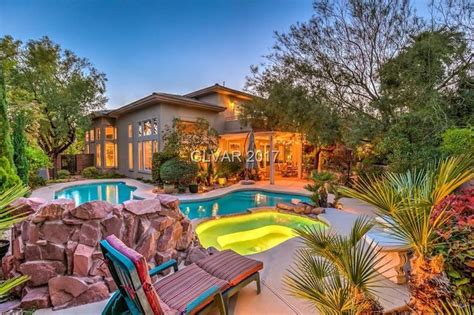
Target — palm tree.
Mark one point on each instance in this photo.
(336, 273)
(323, 183)
(7, 219)
(405, 202)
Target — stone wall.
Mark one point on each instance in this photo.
(58, 246)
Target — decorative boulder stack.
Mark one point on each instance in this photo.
(58, 246)
(300, 208)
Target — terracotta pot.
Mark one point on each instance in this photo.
(168, 188)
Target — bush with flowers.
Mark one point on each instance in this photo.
(456, 244)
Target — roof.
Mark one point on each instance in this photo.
(173, 99)
(217, 88)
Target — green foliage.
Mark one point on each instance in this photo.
(178, 171)
(336, 273)
(158, 159)
(8, 176)
(91, 172)
(36, 181)
(64, 174)
(230, 169)
(7, 285)
(19, 144)
(457, 141)
(457, 244)
(6, 147)
(323, 183)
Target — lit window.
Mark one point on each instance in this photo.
(87, 136)
(147, 128)
(140, 129)
(109, 154)
(109, 133)
(87, 149)
(155, 146)
(147, 154)
(91, 134)
(130, 156)
(155, 126)
(97, 134)
(130, 131)
(98, 155)
(140, 156)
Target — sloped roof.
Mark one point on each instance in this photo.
(217, 88)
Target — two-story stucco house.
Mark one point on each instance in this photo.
(124, 139)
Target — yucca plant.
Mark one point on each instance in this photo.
(7, 219)
(406, 204)
(337, 273)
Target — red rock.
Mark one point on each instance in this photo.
(130, 223)
(186, 237)
(53, 210)
(195, 254)
(56, 232)
(92, 210)
(141, 207)
(52, 251)
(8, 307)
(161, 223)
(143, 226)
(170, 237)
(147, 244)
(40, 271)
(27, 205)
(162, 257)
(109, 281)
(112, 225)
(35, 299)
(82, 260)
(18, 248)
(90, 233)
(68, 218)
(118, 210)
(63, 289)
(32, 252)
(8, 264)
(169, 201)
(70, 249)
(96, 292)
(99, 268)
(33, 233)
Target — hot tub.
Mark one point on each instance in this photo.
(252, 233)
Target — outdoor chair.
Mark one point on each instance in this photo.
(197, 288)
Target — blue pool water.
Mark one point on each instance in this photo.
(235, 202)
(113, 192)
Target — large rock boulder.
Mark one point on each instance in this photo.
(92, 210)
(141, 207)
(53, 210)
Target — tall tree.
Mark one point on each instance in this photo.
(19, 144)
(62, 87)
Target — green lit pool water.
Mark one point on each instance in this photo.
(251, 233)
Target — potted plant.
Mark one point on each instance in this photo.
(193, 187)
(168, 187)
(178, 172)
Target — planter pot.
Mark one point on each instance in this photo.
(181, 189)
(169, 188)
(222, 181)
(4, 246)
(193, 188)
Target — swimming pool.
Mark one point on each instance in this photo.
(113, 192)
(252, 233)
(235, 202)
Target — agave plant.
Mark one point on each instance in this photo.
(336, 273)
(406, 203)
(7, 219)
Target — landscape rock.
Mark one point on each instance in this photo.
(112, 225)
(148, 243)
(170, 237)
(9, 306)
(8, 264)
(90, 233)
(40, 271)
(96, 292)
(32, 252)
(195, 254)
(70, 249)
(92, 210)
(55, 231)
(169, 201)
(53, 210)
(62, 289)
(27, 205)
(52, 251)
(36, 298)
(141, 207)
(82, 260)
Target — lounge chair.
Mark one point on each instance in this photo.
(196, 288)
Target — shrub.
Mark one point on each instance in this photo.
(19, 145)
(63, 174)
(458, 141)
(158, 159)
(178, 171)
(457, 244)
(230, 168)
(35, 181)
(8, 177)
(91, 172)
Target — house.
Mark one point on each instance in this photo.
(124, 139)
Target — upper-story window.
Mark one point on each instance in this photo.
(147, 143)
(233, 109)
(87, 136)
(130, 131)
(97, 134)
(110, 133)
(91, 135)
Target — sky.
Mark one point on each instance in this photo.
(158, 46)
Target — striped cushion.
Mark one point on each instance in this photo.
(180, 288)
(230, 266)
(143, 273)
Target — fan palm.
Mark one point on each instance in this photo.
(406, 202)
(7, 219)
(336, 273)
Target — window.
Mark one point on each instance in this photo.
(110, 133)
(98, 155)
(130, 131)
(87, 136)
(91, 132)
(147, 128)
(110, 154)
(140, 129)
(155, 126)
(97, 134)
(87, 149)
(140, 156)
(130, 156)
(147, 155)
(155, 146)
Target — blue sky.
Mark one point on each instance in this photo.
(167, 46)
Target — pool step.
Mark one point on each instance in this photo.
(254, 234)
